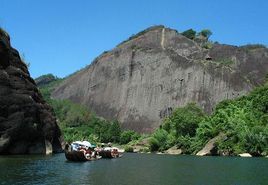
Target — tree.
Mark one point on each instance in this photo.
(190, 34)
(158, 141)
(126, 136)
(184, 120)
(115, 131)
(205, 33)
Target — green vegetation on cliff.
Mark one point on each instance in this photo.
(192, 34)
(244, 121)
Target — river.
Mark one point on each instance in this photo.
(134, 169)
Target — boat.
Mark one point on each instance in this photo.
(80, 152)
(74, 155)
(109, 152)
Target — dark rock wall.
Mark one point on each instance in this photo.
(27, 123)
(143, 79)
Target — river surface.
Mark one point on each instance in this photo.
(134, 169)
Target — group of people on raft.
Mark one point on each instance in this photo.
(92, 152)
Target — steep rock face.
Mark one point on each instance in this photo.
(143, 79)
(27, 124)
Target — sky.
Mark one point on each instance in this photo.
(63, 36)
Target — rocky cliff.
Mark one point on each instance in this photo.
(144, 78)
(27, 123)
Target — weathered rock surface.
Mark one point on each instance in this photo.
(27, 124)
(210, 148)
(173, 151)
(143, 79)
(245, 155)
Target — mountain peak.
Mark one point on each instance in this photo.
(144, 78)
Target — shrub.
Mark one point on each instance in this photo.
(205, 33)
(145, 150)
(154, 144)
(243, 121)
(114, 132)
(128, 136)
(125, 136)
(184, 120)
(158, 140)
(207, 45)
(129, 149)
(190, 34)
(184, 143)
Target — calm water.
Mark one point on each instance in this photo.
(134, 169)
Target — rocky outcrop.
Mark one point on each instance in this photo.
(144, 78)
(245, 155)
(45, 80)
(210, 148)
(173, 151)
(27, 123)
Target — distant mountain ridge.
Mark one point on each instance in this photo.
(145, 77)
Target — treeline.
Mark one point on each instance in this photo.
(79, 123)
(243, 122)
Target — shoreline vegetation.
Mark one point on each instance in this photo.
(237, 127)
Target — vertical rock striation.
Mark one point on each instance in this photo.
(27, 123)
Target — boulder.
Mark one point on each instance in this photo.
(210, 148)
(245, 155)
(173, 151)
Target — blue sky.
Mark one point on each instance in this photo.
(63, 36)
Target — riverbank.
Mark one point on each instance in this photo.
(210, 149)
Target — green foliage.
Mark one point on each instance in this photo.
(127, 136)
(244, 122)
(154, 144)
(207, 45)
(49, 76)
(205, 33)
(129, 149)
(190, 34)
(185, 144)
(178, 129)
(114, 132)
(145, 150)
(158, 140)
(184, 121)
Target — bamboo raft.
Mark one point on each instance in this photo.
(79, 156)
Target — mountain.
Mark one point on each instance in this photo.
(45, 80)
(143, 79)
(27, 122)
